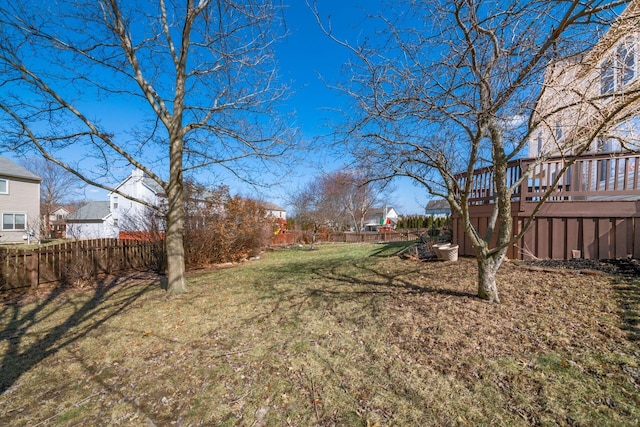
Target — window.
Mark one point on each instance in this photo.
(607, 78)
(14, 221)
(620, 70)
(558, 130)
(627, 61)
(115, 202)
(4, 186)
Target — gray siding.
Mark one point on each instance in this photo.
(23, 198)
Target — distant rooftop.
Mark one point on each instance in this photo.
(10, 169)
(90, 211)
(438, 205)
(272, 207)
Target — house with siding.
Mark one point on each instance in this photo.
(91, 221)
(120, 214)
(438, 208)
(55, 223)
(128, 214)
(579, 91)
(592, 210)
(381, 218)
(19, 202)
(274, 211)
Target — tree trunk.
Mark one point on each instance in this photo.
(487, 268)
(177, 283)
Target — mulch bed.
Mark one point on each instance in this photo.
(628, 267)
(617, 267)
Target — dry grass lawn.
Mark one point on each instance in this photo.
(347, 335)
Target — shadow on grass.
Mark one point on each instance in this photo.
(628, 295)
(26, 347)
(319, 282)
(380, 281)
(392, 249)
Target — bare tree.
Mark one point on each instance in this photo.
(349, 195)
(308, 211)
(58, 186)
(166, 87)
(337, 201)
(446, 87)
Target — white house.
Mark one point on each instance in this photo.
(56, 221)
(120, 213)
(130, 215)
(438, 208)
(381, 217)
(19, 202)
(274, 211)
(91, 221)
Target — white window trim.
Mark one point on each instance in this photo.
(14, 221)
(6, 186)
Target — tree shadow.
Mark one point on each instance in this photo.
(627, 291)
(392, 249)
(344, 280)
(26, 346)
(383, 282)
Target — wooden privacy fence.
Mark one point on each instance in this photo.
(561, 234)
(370, 237)
(75, 261)
(297, 236)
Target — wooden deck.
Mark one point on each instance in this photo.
(594, 208)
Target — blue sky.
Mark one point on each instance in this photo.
(311, 61)
(305, 58)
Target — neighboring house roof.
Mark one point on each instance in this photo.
(152, 185)
(380, 211)
(271, 207)
(145, 180)
(62, 210)
(14, 170)
(438, 205)
(92, 211)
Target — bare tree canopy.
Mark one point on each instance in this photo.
(340, 201)
(166, 87)
(442, 88)
(349, 195)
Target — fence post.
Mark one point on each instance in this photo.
(32, 267)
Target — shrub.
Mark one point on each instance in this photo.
(222, 228)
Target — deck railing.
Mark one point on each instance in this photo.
(482, 188)
(602, 176)
(605, 176)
